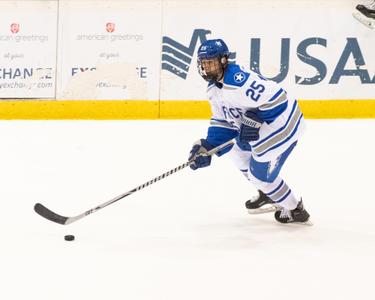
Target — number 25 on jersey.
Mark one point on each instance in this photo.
(255, 91)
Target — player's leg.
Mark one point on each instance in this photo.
(265, 176)
(273, 193)
(241, 155)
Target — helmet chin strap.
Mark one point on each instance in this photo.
(221, 77)
(224, 63)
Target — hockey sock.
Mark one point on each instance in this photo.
(281, 194)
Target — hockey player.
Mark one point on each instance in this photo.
(366, 14)
(263, 119)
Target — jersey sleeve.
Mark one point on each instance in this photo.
(271, 99)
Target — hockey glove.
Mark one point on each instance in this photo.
(249, 130)
(197, 154)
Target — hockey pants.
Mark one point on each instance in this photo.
(265, 175)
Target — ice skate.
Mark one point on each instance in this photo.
(299, 215)
(260, 204)
(365, 15)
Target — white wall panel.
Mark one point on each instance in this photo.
(147, 49)
(28, 49)
(109, 49)
(326, 53)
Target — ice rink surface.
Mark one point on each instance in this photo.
(188, 236)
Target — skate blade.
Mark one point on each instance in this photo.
(307, 223)
(364, 20)
(262, 210)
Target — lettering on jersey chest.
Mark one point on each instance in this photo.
(231, 113)
(230, 106)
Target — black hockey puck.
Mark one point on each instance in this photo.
(69, 237)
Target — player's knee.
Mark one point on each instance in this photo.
(257, 182)
(263, 171)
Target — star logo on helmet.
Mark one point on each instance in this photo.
(239, 77)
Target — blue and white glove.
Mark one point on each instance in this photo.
(249, 130)
(197, 154)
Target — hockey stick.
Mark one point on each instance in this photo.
(54, 217)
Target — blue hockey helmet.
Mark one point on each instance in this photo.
(211, 50)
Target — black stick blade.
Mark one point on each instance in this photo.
(49, 214)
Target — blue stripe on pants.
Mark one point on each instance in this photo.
(261, 170)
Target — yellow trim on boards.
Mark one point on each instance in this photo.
(22, 109)
(78, 110)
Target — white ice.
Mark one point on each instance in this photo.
(187, 236)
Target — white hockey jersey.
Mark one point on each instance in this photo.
(244, 90)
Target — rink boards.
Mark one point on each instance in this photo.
(136, 59)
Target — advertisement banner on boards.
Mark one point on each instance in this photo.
(315, 49)
(109, 50)
(28, 49)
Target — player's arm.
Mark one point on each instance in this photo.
(274, 106)
(215, 136)
(219, 132)
(272, 102)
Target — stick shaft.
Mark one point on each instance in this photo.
(138, 188)
(50, 215)
(152, 181)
